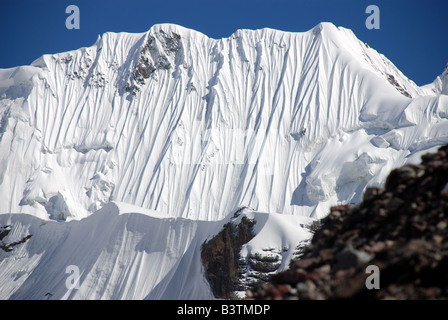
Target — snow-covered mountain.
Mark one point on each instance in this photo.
(439, 85)
(124, 157)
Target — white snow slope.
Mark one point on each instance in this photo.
(187, 129)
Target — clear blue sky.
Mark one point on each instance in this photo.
(413, 34)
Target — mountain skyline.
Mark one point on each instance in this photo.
(408, 34)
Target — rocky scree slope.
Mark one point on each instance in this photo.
(402, 229)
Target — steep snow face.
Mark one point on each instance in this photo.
(173, 121)
(119, 255)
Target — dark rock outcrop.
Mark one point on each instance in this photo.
(221, 254)
(7, 247)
